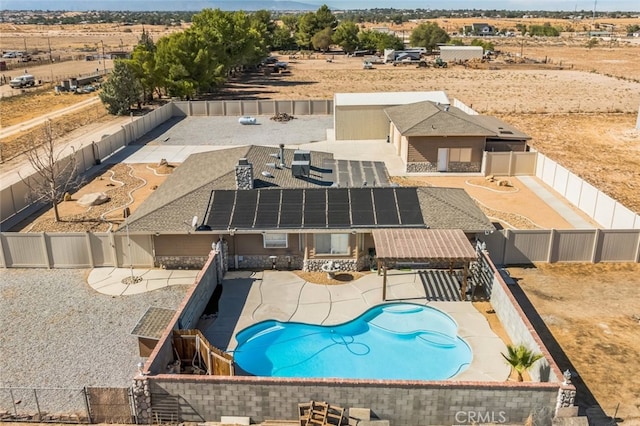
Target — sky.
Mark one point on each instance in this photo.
(552, 5)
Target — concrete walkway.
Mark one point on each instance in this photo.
(251, 297)
(117, 281)
(555, 202)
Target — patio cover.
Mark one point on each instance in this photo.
(444, 245)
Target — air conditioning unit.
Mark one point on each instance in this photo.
(302, 155)
(300, 168)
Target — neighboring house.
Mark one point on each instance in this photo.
(432, 137)
(269, 217)
(480, 29)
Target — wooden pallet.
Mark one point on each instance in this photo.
(320, 413)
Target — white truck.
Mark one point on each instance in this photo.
(25, 80)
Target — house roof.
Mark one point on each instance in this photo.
(502, 129)
(388, 98)
(314, 208)
(186, 191)
(432, 119)
(343, 208)
(423, 245)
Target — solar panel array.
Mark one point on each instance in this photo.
(315, 208)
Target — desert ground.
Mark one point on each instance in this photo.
(579, 105)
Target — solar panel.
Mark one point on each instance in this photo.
(245, 209)
(315, 208)
(291, 208)
(268, 208)
(338, 210)
(409, 206)
(220, 209)
(361, 207)
(385, 205)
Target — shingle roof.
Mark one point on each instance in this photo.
(451, 208)
(432, 119)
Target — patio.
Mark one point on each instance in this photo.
(251, 297)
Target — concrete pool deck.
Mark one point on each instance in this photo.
(251, 297)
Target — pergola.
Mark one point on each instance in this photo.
(423, 245)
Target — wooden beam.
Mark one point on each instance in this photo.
(463, 290)
(384, 282)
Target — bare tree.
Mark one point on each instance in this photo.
(54, 174)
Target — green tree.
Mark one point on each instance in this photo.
(290, 22)
(375, 40)
(144, 66)
(486, 45)
(122, 89)
(456, 42)
(263, 23)
(346, 36)
(325, 18)
(428, 35)
(307, 25)
(632, 28)
(322, 39)
(520, 358)
(282, 39)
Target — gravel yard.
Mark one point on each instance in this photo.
(60, 333)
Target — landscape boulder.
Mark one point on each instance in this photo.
(93, 199)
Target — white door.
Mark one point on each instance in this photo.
(443, 159)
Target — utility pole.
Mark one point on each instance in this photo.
(104, 59)
(50, 57)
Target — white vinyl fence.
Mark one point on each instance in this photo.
(74, 250)
(524, 246)
(253, 107)
(16, 202)
(609, 213)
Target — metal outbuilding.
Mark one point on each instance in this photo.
(461, 53)
(361, 116)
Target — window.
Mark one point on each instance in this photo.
(275, 240)
(332, 243)
(460, 155)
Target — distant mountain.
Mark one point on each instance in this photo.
(157, 5)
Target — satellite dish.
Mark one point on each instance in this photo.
(194, 221)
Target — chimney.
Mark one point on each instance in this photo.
(244, 174)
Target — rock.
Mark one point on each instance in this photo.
(67, 196)
(93, 199)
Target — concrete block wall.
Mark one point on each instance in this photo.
(401, 402)
(520, 330)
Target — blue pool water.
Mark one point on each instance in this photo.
(400, 341)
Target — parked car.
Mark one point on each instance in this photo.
(10, 55)
(25, 80)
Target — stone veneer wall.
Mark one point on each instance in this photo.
(453, 166)
(341, 265)
(180, 262)
(207, 398)
(265, 262)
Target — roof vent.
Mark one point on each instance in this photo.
(267, 174)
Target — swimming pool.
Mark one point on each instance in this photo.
(401, 341)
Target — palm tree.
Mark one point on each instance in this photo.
(520, 358)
